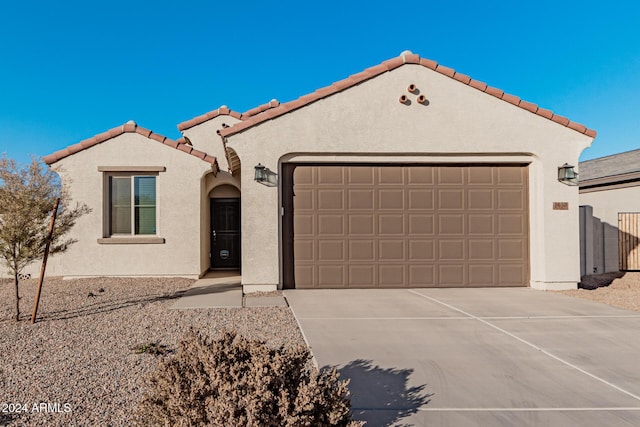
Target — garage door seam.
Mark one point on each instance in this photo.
(522, 340)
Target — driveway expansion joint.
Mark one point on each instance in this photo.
(522, 340)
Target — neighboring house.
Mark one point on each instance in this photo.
(407, 174)
(610, 213)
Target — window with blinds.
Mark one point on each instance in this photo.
(132, 205)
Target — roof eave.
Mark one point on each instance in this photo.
(391, 64)
(129, 127)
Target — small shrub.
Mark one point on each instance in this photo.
(154, 348)
(233, 381)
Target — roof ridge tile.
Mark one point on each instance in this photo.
(511, 99)
(391, 64)
(529, 106)
(560, 119)
(447, 71)
(223, 110)
(128, 128)
(462, 78)
(477, 84)
(428, 63)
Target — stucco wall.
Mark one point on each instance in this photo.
(203, 137)
(178, 208)
(606, 205)
(459, 124)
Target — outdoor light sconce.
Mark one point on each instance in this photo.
(567, 175)
(265, 177)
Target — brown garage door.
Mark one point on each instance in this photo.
(408, 226)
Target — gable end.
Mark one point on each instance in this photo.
(391, 64)
(130, 127)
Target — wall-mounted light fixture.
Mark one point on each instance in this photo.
(567, 175)
(264, 176)
(260, 176)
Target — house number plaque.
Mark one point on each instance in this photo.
(224, 254)
(560, 206)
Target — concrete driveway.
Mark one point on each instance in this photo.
(477, 357)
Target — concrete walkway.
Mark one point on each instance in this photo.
(477, 357)
(223, 289)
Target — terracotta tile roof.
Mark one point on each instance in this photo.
(405, 58)
(130, 127)
(225, 111)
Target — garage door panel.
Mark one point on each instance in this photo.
(451, 275)
(362, 250)
(410, 226)
(391, 175)
(331, 225)
(450, 224)
(422, 275)
(422, 250)
(450, 176)
(391, 225)
(421, 199)
(480, 199)
(362, 225)
(330, 199)
(481, 249)
(511, 224)
(511, 249)
(420, 176)
(511, 175)
(361, 199)
(511, 199)
(481, 274)
(360, 176)
(305, 276)
(331, 275)
(451, 249)
(304, 176)
(304, 199)
(391, 199)
(303, 224)
(391, 275)
(480, 224)
(362, 275)
(332, 175)
(331, 250)
(480, 175)
(512, 275)
(421, 224)
(391, 250)
(452, 199)
(304, 250)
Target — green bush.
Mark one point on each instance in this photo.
(233, 381)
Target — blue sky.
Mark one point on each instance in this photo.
(71, 69)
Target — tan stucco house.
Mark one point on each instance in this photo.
(610, 213)
(408, 174)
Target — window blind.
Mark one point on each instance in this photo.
(145, 204)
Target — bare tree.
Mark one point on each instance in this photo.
(27, 196)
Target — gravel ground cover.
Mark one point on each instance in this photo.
(80, 366)
(617, 289)
(81, 357)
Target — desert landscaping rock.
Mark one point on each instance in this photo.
(617, 289)
(84, 350)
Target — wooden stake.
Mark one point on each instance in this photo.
(44, 260)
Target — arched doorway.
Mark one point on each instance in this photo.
(225, 228)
